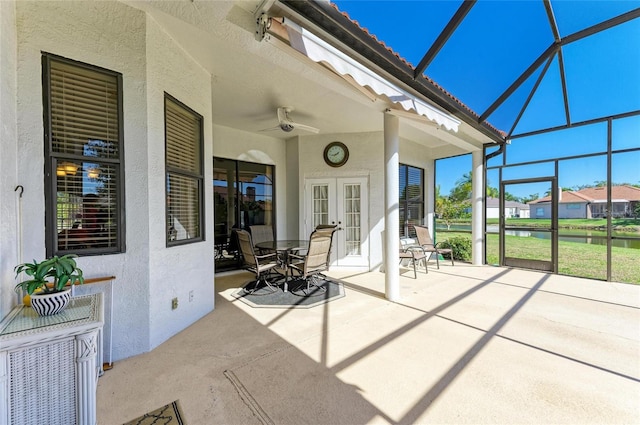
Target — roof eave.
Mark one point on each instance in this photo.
(338, 27)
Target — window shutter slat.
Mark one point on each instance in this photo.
(84, 121)
(84, 107)
(183, 130)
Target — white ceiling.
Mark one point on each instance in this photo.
(251, 79)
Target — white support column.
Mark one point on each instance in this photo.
(477, 210)
(430, 195)
(392, 212)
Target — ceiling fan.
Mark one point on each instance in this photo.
(287, 125)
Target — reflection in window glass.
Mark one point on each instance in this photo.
(82, 121)
(243, 194)
(557, 144)
(184, 172)
(411, 181)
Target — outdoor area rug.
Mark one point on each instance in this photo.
(166, 415)
(294, 298)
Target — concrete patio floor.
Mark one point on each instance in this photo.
(465, 344)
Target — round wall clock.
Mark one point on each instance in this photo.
(336, 154)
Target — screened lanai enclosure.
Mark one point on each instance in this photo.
(559, 80)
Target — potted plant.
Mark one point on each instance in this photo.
(48, 281)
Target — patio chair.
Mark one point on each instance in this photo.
(316, 261)
(425, 241)
(329, 229)
(261, 265)
(261, 233)
(414, 254)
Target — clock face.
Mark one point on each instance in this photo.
(336, 154)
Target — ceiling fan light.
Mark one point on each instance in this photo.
(286, 127)
(70, 168)
(93, 173)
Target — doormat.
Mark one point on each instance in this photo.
(166, 415)
(296, 297)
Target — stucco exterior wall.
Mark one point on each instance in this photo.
(123, 39)
(242, 146)
(366, 153)
(9, 198)
(416, 155)
(179, 270)
(109, 35)
(577, 210)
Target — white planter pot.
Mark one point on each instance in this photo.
(50, 304)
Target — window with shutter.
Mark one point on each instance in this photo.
(83, 147)
(184, 173)
(411, 199)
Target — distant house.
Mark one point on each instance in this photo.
(589, 203)
(511, 209)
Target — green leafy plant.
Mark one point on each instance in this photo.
(460, 245)
(50, 275)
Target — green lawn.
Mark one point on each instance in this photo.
(629, 224)
(575, 259)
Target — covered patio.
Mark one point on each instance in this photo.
(466, 344)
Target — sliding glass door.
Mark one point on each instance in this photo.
(243, 196)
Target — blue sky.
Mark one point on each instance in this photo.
(497, 41)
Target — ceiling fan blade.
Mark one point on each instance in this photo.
(277, 127)
(304, 127)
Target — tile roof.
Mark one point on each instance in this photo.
(407, 63)
(594, 194)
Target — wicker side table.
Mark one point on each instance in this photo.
(49, 366)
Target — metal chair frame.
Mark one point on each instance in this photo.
(261, 265)
(425, 241)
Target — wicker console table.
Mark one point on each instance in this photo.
(49, 365)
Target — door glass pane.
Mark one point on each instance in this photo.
(352, 218)
(224, 208)
(243, 196)
(255, 190)
(320, 204)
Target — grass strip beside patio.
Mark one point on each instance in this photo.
(574, 259)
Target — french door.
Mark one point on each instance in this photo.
(345, 202)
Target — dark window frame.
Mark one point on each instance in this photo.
(405, 204)
(52, 158)
(198, 177)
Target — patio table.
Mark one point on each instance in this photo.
(284, 247)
